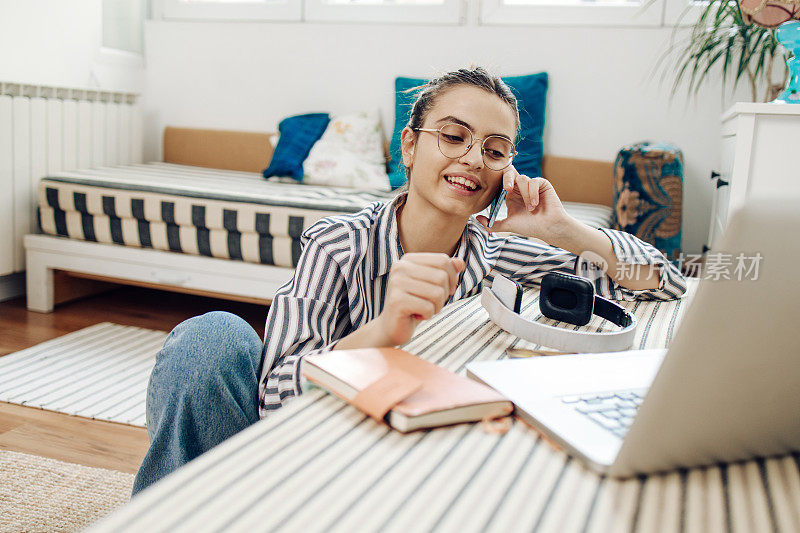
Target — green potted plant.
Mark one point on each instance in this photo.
(726, 37)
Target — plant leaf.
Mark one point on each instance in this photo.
(719, 39)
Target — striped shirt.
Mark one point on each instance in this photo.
(341, 279)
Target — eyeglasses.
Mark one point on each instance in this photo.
(456, 140)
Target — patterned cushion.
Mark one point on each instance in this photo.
(648, 194)
(349, 154)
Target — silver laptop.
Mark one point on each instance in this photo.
(727, 389)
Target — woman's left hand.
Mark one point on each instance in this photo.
(534, 208)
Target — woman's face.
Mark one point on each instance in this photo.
(434, 177)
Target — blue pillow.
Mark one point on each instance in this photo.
(531, 93)
(298, 135)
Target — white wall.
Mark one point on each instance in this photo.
(248, 76)
(58, 43)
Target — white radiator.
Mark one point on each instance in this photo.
(44, 130)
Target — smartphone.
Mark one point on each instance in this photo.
(509, 292)
(494, 207)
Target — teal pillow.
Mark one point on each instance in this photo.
(403, 102)
(298, 135)
(531, 93)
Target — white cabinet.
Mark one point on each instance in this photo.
(760, 145)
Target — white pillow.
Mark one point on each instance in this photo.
(349, 154)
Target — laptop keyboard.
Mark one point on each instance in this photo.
(612, 410)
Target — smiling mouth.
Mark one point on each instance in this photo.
(467, 185)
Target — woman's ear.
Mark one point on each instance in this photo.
(407, 143)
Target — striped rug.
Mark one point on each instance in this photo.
(98, 372)
(318, 464)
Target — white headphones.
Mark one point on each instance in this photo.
(566, 298)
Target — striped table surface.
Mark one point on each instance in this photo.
(318, 465)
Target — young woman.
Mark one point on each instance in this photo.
(368, 279)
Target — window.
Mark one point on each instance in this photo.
(400, 11)
(633, 13)
(573, 12)
(122, 25)
(122, 38)
(232, 9)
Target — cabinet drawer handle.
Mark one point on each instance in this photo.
(717, 176)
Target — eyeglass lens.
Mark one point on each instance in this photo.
(455, 140)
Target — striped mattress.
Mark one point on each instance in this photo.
(318, 464)
(216, 213)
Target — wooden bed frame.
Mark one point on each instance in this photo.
(60, 269)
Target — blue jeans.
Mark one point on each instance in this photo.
(203, 390)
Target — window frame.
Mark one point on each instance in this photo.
(682, 12)
(496, 12)
(283, 10)
(450, 12)
(115, 56)
(659, 13)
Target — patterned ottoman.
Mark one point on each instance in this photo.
(648, 194)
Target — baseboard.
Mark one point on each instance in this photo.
(12, 286)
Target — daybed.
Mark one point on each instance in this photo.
(205, 221)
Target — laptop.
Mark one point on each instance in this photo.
(727, 389)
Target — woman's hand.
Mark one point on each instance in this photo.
(534, 208)
(419, 286)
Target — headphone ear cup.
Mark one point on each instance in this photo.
(567, 298)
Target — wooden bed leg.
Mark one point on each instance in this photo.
(39, 284)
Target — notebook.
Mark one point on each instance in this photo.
(407, 392)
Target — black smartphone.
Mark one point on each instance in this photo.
(494, 207)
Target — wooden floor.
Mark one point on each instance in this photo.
(79, 440)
